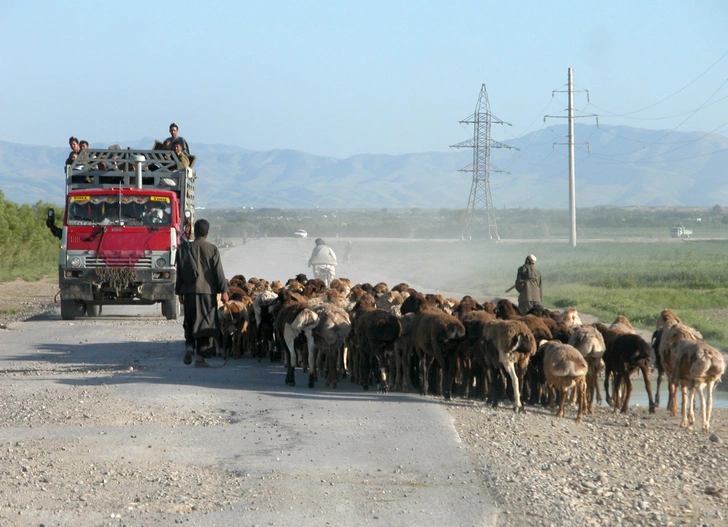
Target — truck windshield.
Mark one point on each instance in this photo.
(115, 209)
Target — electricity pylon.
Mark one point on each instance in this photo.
(480, 198)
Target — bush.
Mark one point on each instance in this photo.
(28, 250)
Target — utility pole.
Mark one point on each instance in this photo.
(572, 169)
(481, 143)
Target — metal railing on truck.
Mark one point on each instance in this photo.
(94, 169)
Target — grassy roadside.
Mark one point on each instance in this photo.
(605, 279)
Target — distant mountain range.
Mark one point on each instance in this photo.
(622, 166)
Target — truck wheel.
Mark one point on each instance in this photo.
(93, 310)
(170, 309)
(68, 309)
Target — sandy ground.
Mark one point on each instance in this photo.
(613, 469)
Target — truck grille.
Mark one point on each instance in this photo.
(92, 262)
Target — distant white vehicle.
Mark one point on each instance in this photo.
(300, 233)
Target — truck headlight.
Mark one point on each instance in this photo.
(161, 262)
(75, 262)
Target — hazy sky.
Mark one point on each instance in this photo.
(341, 78)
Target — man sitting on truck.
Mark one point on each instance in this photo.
(184, 161)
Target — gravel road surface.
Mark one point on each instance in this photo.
(102, 424)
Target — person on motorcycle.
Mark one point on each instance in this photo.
(323, 261)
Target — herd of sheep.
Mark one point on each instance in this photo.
(399, 338)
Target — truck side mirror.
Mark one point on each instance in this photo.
(51, 216)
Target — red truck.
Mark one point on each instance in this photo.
(125, 212)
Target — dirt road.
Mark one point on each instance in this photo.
(102, 424)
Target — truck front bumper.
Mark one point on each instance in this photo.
(117, 285)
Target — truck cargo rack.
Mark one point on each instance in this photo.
(97, 169)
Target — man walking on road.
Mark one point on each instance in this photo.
(528, 285)
(199, 297)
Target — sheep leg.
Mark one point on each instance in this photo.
(691, 405)
(406, 365)
(562, 400)
(627, 393)
(684, 392)
(341, 360)
(591, 384)
(660, 372)
(425, 363)
(616, 380)
(703, 412)
(312, 354)
(365, 368)
(672, 398)
(597, 370)
(397, 384)
(581, 399)
(290, 337)
(708, 405)
(448, 376)
(511, 369)
(607, 373)
(645, 367)
(381, 364)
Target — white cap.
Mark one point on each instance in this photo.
(532, 258)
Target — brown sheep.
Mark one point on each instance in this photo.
(534, 382)
(625, 354)
(329, 337)
(507, 310)
(389, 299)
(293, 320)
(697, 365)
(403, 351)
(570, 317)
(671, 337)
(590, 343)
(509, 343)
(435, 336)
(474, 323)
(565, 368)
(666, 319)
(622, 325)
(234, 321)
(372, 331)
(342, 285)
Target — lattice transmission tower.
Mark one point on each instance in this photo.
(480, 199)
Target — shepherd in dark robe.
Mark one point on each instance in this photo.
(201, 322)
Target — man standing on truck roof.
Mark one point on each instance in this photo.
(199, 298)
(174, 136)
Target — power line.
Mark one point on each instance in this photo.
(672, 94)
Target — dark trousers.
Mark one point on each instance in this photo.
(201, 324)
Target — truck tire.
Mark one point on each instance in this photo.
(93, 310)
(68, 309)
(170, 309)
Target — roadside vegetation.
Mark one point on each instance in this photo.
(28, 250)
(634, 269)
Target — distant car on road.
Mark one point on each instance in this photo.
(300, 233)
